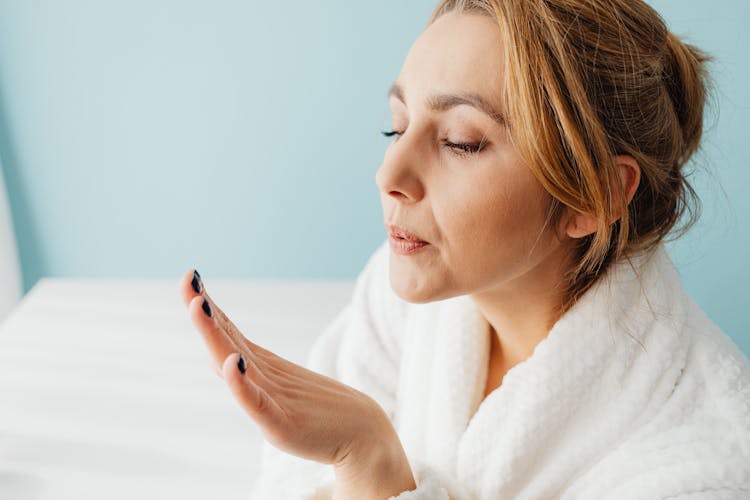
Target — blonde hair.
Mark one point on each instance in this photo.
(587, 80)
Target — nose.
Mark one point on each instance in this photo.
(398, 176)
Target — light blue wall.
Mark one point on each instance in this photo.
(142, 138)
(713, 257)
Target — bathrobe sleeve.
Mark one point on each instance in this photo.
(360, 347)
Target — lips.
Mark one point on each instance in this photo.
(403, 234)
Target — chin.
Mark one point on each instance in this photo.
(413, 298)
(417, 290)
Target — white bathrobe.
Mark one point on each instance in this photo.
(634, 394)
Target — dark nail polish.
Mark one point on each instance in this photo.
(207, 308)
(241, 364)
(197, 283)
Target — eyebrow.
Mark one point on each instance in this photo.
(443, 102)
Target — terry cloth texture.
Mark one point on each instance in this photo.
(634, 394)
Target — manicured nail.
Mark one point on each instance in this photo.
(197, 282)
(207, 308)
(241, 364)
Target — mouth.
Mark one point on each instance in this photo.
(401, 234)
(403, 241)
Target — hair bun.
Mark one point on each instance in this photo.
(685, 77)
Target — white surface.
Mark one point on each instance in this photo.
(106, 391)
(10, 274)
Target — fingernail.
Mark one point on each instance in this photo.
(197, 283)
(241, 364)
(206, 308)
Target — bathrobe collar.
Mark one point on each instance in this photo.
(604, 366)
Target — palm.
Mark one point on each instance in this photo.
(299, 411)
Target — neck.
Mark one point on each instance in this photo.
(522, 312)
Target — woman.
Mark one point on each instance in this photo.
(523, 334)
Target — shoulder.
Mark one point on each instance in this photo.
(697, 442)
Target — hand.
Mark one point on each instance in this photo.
(299, 411)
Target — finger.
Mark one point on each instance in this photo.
(191, 286)
(218, 343)
(223, 322)
(248, 392)
(273, 366)
(232, 331)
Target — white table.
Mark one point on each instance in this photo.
(106, 391)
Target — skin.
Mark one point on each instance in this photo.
(483, 213)
(302, 412)
(484, 217)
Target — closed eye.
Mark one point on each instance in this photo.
(463, 149)
(458, 148)
(390, 133)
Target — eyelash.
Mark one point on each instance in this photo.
(459, 149)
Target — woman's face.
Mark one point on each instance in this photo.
(483, 213)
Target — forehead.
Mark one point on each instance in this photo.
(457, 53)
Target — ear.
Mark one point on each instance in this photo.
(580, 224)
(630, 175)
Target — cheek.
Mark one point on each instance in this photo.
(493, 221)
